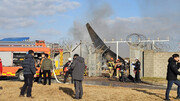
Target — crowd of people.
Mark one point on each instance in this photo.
(118, 68)
(76, 67)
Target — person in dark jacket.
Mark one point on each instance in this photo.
(29, 70)
(178, 64)
(67, 70)
(172, 72)
(46, 67)
(137, 70)
(122, 69)
(78, 68)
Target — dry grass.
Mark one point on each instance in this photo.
(155, 80)
(64, 92)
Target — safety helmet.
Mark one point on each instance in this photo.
(118, 60)
(112, 59)
(69, 59)
(136, 59)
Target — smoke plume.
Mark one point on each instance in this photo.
(159, 18)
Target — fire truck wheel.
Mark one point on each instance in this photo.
(21, 75)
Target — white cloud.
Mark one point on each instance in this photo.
(49, 32)
(9, 23)
(14, 34)
(22, 12)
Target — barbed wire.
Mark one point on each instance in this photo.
(136, 40)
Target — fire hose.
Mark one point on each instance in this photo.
(55, 73)
(56, 76)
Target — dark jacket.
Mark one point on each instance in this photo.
(172, 70)
(122, 67)
(78, 68)
(28, 65)
(47, 64)
(178, 65)
(137, 65)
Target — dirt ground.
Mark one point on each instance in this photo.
(65, 92)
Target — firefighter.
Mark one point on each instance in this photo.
(67, 70)
(122, 69)
(47, 66)
(137, 70)
(111, 67)
(114, 70)
(117, 66)
(40, 71)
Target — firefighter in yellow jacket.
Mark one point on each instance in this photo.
(111, 67)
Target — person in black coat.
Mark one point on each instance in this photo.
(178, 64)
(137, 70)
(29, 70)
(78, 68)
(172, 72)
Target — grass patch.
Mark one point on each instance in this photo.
(154, 80)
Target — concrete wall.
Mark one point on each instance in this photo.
(148, 64)
(136, 53)
(155, 63)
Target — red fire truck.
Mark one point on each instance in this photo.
(13, 52)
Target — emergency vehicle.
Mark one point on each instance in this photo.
(13, 51)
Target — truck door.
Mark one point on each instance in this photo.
(6, 57)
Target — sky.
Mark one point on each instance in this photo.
(51, 19)
(57, 20)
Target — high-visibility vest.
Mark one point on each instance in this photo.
(111, 64)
